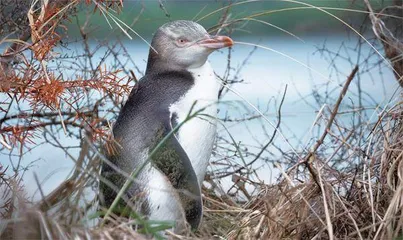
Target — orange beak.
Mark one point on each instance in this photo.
(216, 42)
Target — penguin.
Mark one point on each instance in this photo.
(178, 81)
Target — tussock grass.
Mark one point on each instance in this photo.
(358, 202)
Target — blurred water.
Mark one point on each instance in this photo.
(265, 75)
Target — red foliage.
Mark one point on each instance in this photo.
(31, 81)
(46, 92)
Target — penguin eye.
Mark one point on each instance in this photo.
(182, 41)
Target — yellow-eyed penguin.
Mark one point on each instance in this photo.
(178, 79)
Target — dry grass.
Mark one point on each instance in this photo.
(358, 202)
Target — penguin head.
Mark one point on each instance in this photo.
(185, 44)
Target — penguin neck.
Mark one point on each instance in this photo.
(200, 73)
(156, 65)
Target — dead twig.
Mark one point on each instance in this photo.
(310, 156)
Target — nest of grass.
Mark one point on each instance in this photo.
(358, 201)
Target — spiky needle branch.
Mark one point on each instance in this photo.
(26, 77)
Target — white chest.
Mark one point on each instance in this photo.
(197, 135)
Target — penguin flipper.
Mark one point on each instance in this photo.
(172, 160)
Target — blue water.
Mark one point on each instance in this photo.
(265, 75)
